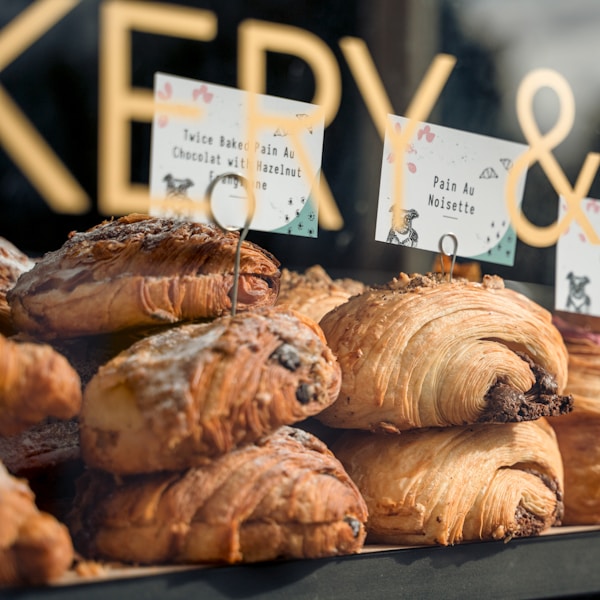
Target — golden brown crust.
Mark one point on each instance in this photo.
(181, 397)
(35, 382)
(34, 547)
(456, 484)
(285, 496)
(138, 271)
(422, 352)
(314, 293)
(578, 434)
(13, 263)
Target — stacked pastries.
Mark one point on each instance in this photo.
(453, 381)
(188, 394)
(187, 432)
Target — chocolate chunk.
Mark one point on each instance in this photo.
(305, 393)
(354, 525)
(287, 356)
(506, 404)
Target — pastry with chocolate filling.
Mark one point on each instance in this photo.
(283, 496)
(456, 484)
(426, 352)
(314, 293)
(35, 548)
(36, 382)
(13, 263)
(578, 433)
(191, 393)
(139, 271)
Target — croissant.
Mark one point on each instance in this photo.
(35, 382)
(314, 293)
(34, 547)
(139, 271)
(456, 484)
(188, 394)
(424, 352)
(13, 263)
(578, 433)
(284, 496)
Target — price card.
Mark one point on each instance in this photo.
(452, 182)
(200, 134)
(577, 281)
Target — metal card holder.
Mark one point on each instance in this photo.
(251, 201)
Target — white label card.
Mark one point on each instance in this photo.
(577, 281)
(453, 182)
(200, 132)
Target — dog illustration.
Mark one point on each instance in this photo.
(578, 300)
(177, 187)
(407, 229)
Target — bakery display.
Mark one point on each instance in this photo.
(456, 484)
(35, 382)
(13, 263)
(313, 292)
(191, 393)
(34, 547)
(181, 448)
(138, 271)
(578, 433)
(422, 351)
(283, 496)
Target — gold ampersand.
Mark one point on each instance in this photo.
(540, 150)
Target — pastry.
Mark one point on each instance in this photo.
(34, 547)
(456, 484)
(139, 271)
(184, 396)
(314, 293)
(35, 382)
(284, 496)
(578, 432)
(425, 352)
(47, 456)
(13, 263)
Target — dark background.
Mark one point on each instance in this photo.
(496, 44)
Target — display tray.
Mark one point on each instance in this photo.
(562, 562)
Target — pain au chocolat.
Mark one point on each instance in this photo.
(283, 496)
(138, 271)
(456, 484)
(181, 397)
(313, 292)
(426, 352)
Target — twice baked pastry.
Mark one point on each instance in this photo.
(35, 382)
(283, 496)
(34, 547)
(13, 263)
(314, 293)
(456, 484)
(138, 271)
(193, 392)
(425, 352)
